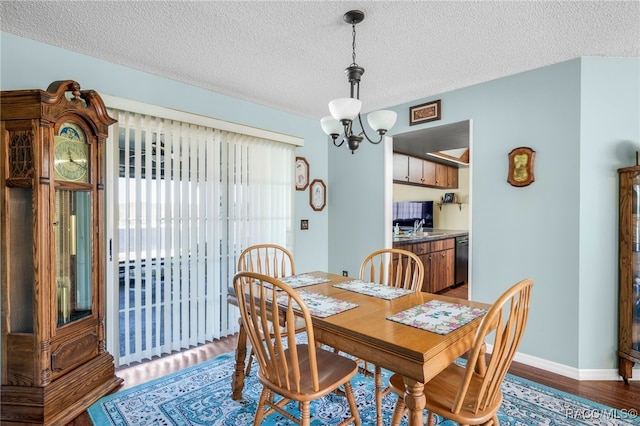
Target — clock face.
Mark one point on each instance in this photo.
(71, 151)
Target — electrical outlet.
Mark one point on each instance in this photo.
(345, 273)
(304, 224)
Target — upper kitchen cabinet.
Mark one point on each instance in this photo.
(417, 171)
(400, 167)
(407, 169)
(431, 156)
(430, 173)
(452, 177)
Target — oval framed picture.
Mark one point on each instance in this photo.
(302, 173)
(317, 195)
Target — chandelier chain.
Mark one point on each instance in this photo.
(353, 44)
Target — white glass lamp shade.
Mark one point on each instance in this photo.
(345, 108)
(382, 120)
(330, 125)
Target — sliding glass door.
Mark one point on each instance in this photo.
(184, 201)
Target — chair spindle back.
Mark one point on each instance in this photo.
(268, 259)
(393, 267)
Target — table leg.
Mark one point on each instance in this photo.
(415, 401)
(237, 381)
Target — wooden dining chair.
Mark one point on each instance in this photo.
(471, 394)
(397, 268)
(393, 267)
(289, 371)
(268, 259)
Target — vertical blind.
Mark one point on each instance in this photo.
(187, 199)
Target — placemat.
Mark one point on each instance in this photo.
(438, 316)
(303, 280)
(300, 280)
(319, 305)
(372, 289)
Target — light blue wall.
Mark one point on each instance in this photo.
(27, 64)
(561, 230)
(357, 206)
(610, 124)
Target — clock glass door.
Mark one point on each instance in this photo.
(73, 242)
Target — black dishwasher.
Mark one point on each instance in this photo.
(462, 259)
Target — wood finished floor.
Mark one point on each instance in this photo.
(614, 394)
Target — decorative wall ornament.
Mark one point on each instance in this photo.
(302, 173)
(521, 166)
(317, 195)
(424, 113)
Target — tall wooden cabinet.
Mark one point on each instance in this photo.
(54, 359)
(629, 273)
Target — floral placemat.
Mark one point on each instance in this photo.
(319, 305)
(438, 316)
(372, 289)
(300, 280)
(303, 280)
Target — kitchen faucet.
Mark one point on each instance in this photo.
(417, 225)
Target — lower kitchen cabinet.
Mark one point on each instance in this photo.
(442, 266)
(439, 260)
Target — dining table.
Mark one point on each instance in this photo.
(376, 329)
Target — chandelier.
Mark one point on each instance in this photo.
(344, 111)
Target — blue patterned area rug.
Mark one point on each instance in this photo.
(201, 395)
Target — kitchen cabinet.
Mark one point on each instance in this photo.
(438, 258)
(429, 173)
(408, 169)
(423, 252)
(629, 272)
(442, 262)
(452, 177)
(417, 171)
(400, 167)
(442, 175)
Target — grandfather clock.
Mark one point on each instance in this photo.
(54, 359)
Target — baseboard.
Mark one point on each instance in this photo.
(608, 374)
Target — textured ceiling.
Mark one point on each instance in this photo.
(291, 55)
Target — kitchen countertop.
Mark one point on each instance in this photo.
(428, 235)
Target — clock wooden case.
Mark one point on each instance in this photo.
(54, 358)
(629, 272)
